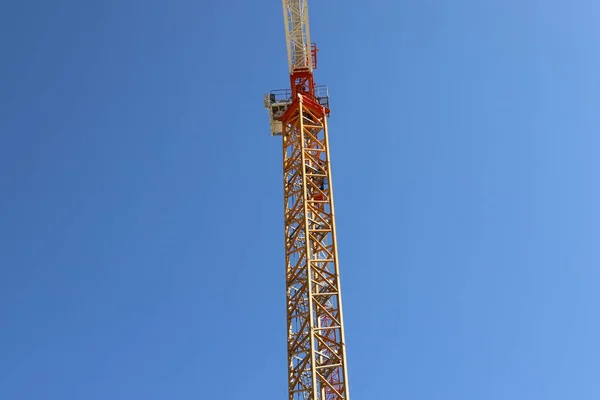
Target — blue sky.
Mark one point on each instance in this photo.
(141, 204)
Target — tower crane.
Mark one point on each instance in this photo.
(316, 347)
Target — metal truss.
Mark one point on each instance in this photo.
(297, 35)
(316, 348)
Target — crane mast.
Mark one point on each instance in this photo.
(316, 349)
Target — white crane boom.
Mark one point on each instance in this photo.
(297, 35)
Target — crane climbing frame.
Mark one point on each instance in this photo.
(317, 368)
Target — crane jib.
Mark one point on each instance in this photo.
(297, 33)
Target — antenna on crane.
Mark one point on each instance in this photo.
(316, 351)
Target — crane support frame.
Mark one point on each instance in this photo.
(316, 345)
(297, 35)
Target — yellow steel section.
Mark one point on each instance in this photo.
(316, 349)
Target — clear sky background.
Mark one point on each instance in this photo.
(141, 250)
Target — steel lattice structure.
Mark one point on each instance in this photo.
(316, 348)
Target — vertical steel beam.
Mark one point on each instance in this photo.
(316, 348)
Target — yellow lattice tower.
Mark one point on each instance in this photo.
(316, 347)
